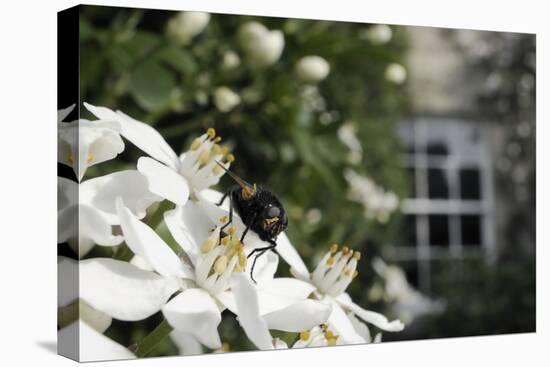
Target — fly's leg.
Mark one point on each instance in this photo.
(259, 252)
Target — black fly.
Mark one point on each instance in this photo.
(260, 211)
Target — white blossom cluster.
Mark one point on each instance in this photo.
(210, 275)
(378, 203)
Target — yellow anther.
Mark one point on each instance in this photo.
(221, 264)
(208, 245)
(90, 158)
(304, 335)
(347, 273)
(242, 259)
(345, 250)
(334, 248)
(225, 240)
(324, 327)
(230, 158)
(211, 132)
(330, 261)
(223, 219)
(357, 255)
(329, 334)
(204, 156)
(224, 150)
(232, 230)
(218, 139)
(225, 347)
(216, 149)
(196, 144)
(331, 341)
(216, 170)
(355, 274)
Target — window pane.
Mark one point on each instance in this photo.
(439, 230)
(471, 230)
(470, 184)
(409, 230)
(412, 182)
(438, 187)
(437, 148)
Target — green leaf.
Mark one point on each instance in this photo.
(179, 59)
(151, 85)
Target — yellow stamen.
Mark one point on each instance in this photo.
(304, 335)
(216, 170)
(334, 248)
(224, 150)
(218, 139)
(216, 149)
(225, 240)
(221, 264)
(331, 341)
(329, 334)
(230, 158)
(330, 261)
(204, 156)
(345, 250)
(90, 158)
(211, 132)
(208, 245)
(324, 327)
(196, 144)
(242, 259)
(232, 230)
(355, 274)
(224, 219)
(357, 255)
(225, 347)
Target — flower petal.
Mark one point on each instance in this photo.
(67, 280)
(121, 290)
(144, 241)
(282, 292)
(164, 181)
(195, 312)
(93, 346)
(265, 268)
(130, 185)
(94, 318)
(300, 316)
(64, 112)
(187, 344)
(375, 318)
(248, 312)
(93, 227)
(140, 134)
(339, 321)
(189, 227)
(290, 255)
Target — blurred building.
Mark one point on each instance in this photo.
(454, 208)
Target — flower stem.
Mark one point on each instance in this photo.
(145, 346)
(158, 215)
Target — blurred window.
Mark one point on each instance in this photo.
(449, 211)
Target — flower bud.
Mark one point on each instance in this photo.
(230, 60)
(396, 73)
(186, 25)
(312, 68)
(378, 34)
(225, 99)
(261, 46)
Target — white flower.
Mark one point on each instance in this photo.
(84, 143)
(377, 203)
(261, 46)
(312, 68)
(225, 99)
(230, 60)
(378, 34)
(203, 273)
(331, 277)
(347, 133)
(169, 176)
(186, 25)
(82, 342)
(408, 302)
(396, 73)
(86, 211)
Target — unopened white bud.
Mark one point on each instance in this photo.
(225, 99)
(312, 68)
(186, 25)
